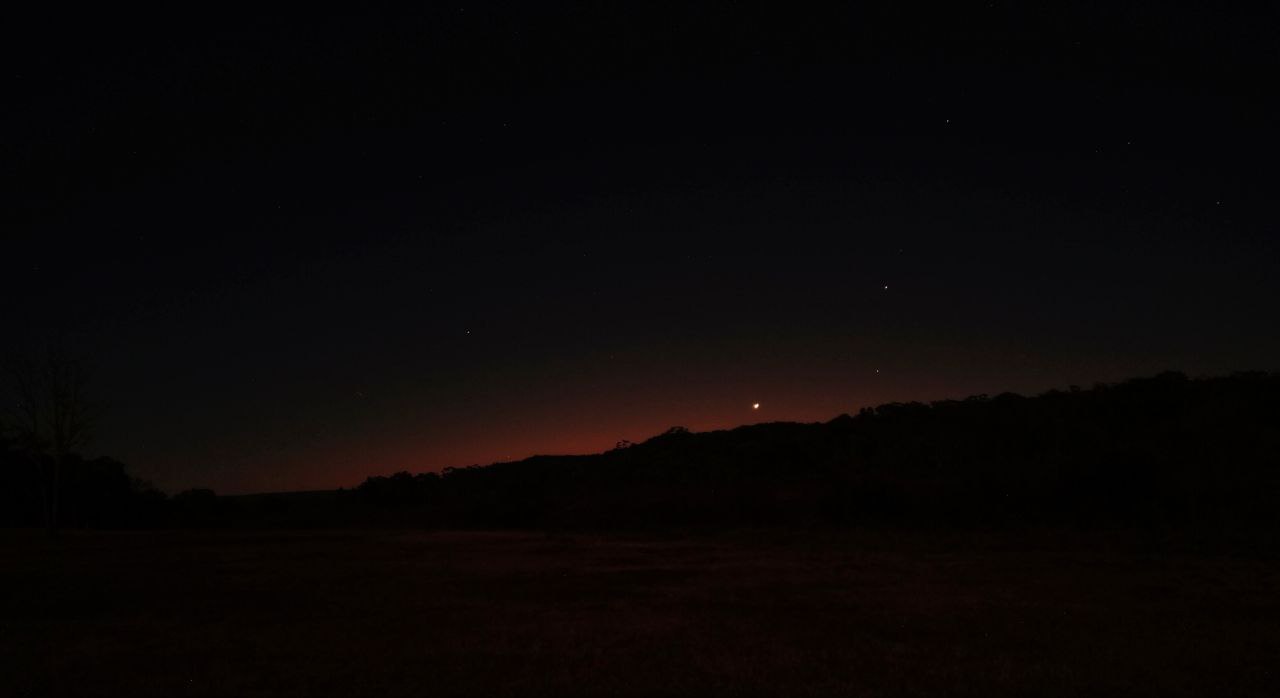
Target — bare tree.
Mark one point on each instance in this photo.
(51, 416)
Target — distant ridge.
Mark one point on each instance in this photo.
(1166, 448)
(1162, 451)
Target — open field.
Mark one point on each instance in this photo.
(865, 613)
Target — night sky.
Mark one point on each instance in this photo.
(300, 250)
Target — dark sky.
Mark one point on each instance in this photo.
(304, 249)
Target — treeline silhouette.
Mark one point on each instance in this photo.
(95, 493)
(1165, 450)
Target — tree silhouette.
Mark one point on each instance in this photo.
(50, 416)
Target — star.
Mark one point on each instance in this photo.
(755, 405)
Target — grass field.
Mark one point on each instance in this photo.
(768, 613)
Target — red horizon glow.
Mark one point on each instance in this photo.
(528, 424)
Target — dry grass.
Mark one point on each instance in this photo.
(529, 614)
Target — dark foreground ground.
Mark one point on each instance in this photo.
(865, 613)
